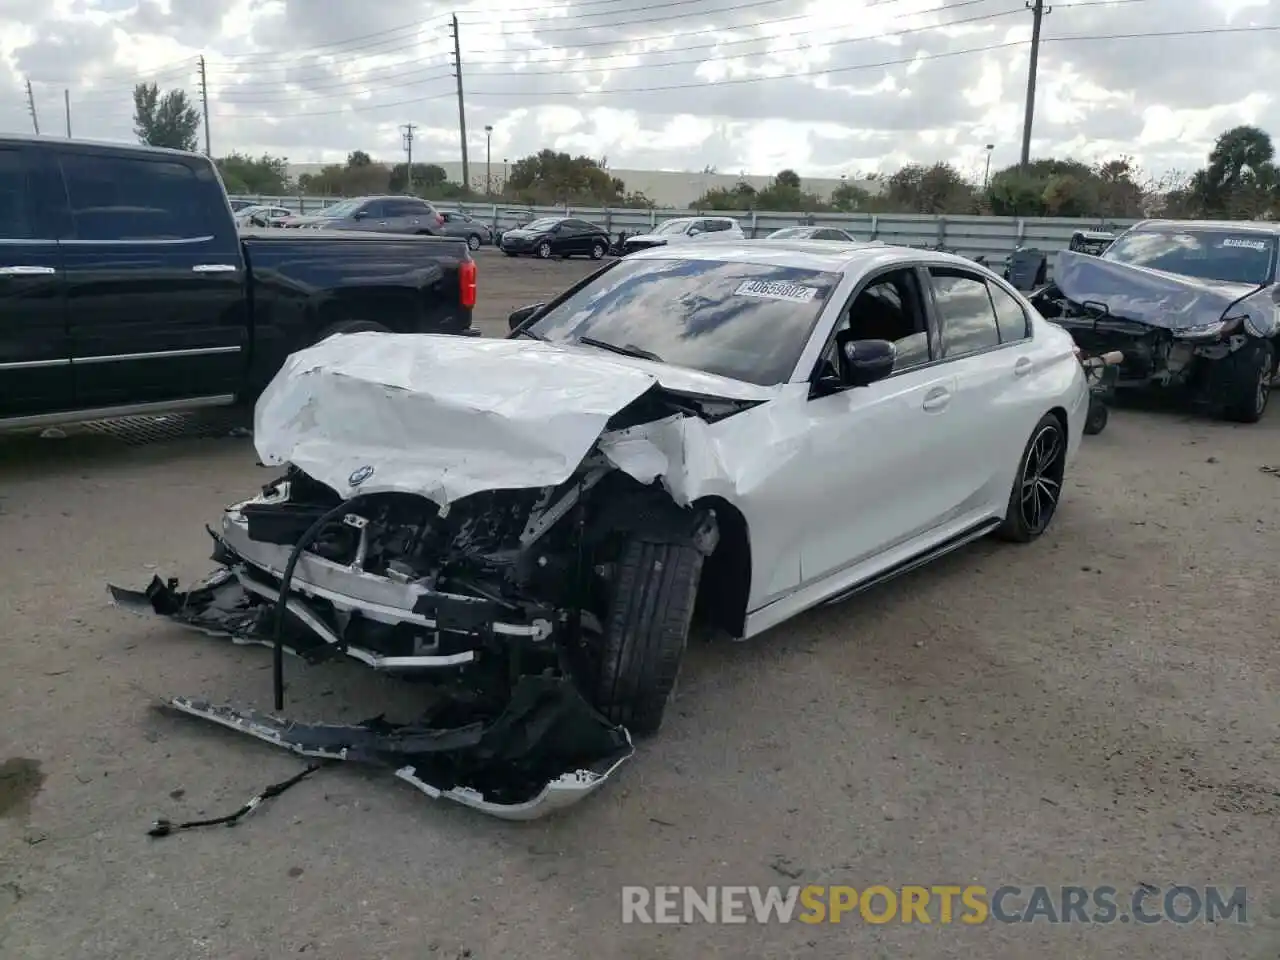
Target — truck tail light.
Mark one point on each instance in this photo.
(467, 283)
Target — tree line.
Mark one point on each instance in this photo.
(1240, 180)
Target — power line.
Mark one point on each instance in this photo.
(919, 57)
(802, 47)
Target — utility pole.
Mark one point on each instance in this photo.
(407, 134)
(204, 101)
(66, 104)
(1038, 11)
(462, 110)
(31, 108)
(488, 160)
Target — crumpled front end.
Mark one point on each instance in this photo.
(488, 560)
(1163, 323)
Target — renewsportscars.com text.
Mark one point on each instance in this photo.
(936, 904)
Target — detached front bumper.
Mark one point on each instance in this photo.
(518, 749)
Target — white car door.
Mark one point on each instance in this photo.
(877, 456)
(990, 351)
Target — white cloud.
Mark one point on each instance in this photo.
(750, 86)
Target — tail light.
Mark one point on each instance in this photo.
(467, 283)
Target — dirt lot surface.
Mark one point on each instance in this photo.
(1099, 708)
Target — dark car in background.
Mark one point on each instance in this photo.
(378, 214)
(557, 237)
(468, 228)
(126, 287)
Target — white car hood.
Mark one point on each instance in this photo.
(654, 237)
(445, 417)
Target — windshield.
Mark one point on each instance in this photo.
(673, 226)
(546, 223)
(1231, 256)
(748, 321)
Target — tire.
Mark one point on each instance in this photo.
(598, 250)
(351, 326)
(544, 251)
(646, 630)
(473, 241)
(1096, 421)
(1037, 486)
(1246, 382)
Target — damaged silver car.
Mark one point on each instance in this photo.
(726, 437)
(1193, 305)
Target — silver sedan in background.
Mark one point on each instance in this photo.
(811, 233)
(463, 225)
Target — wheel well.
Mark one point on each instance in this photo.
(725, 586)
(1061, 416)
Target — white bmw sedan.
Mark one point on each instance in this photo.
(730, 434)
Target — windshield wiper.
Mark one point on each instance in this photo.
(627, 350)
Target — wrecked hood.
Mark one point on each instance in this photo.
(445, 417)
(1166, 300)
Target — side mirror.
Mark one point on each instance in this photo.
(359, 215)
(518, 317)
(863, 362)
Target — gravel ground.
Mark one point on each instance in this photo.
(1098, 708)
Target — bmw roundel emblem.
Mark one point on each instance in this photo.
(360, 475)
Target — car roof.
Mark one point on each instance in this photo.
(115, 146)
(1249, 226)
(827, 256)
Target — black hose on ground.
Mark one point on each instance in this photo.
(282, 601)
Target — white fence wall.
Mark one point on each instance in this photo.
(992, 237)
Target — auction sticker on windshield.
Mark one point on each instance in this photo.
(776, 290)
(1259, 245)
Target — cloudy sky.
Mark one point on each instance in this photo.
(823, 86)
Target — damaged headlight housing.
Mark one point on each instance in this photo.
(1210, 331)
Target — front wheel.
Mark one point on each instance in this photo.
(473, 241)
(1246, 382)
(597, 250)
(632, 674)
(544, 250)
(1037, 488)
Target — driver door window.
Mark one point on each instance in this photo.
(889, 308)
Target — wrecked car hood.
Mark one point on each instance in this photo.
(445, 417)
(1166, 300)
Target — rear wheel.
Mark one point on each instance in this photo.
(544, 250)
(633, 673)
(1246, 382)
(473, 241)
(597, 250)
(1037, 488)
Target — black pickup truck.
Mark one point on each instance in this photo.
(126, 287)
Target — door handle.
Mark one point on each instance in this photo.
(937, 399)
(382, 223)
(23, 270)
(214, 268)
(1023, 367)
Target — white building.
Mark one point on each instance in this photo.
(666, 188)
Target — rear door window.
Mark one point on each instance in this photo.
(966, 317)
(1010, 317)
(119, 198)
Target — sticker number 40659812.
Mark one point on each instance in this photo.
(776, 290)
